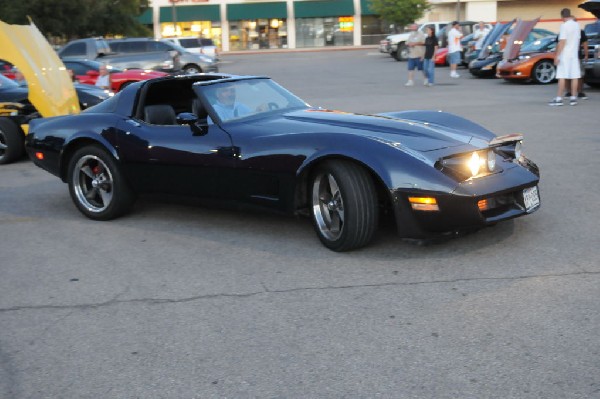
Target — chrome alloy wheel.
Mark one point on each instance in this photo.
(3, 146)
(328, 206)
(92, 183)
(545, 72)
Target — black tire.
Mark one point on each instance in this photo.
(343, 205)
(543, 72)
(594, 84)
(12, 141)
(96, 184)
(191, 69)
(402, 53)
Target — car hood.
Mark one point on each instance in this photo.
(516, 38)
(592, 6)
(50, 88)
(411, 132)
(493, 37)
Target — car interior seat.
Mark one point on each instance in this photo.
(160, 114)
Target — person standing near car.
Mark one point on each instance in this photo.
(583, 58)
(103, 80)
(431, 46)
(566, 58)
(454, 48)
(480, 34)
(416, 51)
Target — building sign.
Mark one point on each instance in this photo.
(346, 24)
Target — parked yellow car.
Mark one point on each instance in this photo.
(51, 91)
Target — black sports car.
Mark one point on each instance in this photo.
(249, 140)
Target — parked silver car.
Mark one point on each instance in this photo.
(190, 62)
(198, 45)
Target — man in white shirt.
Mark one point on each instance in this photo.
(566, 57)
(103, 80)
(480, 34)
(454, 48)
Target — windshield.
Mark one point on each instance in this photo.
(543, 44)
(6, 82)
(592, 29)
(233, 100)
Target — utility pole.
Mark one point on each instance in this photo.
(174, 16)
(458, 10)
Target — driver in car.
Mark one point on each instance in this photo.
(226, 106)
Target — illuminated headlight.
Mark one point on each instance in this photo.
(475, 162)
(518, 151)
(491, 160)
(524, 57)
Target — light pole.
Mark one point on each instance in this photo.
(458, 10)
(174, 16)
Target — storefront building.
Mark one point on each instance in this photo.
(236, 25)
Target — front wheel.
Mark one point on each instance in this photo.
(544, 72)
(402, 53)
(96, 184)
(344, 205)
(12, 141)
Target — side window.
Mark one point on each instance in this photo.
(158, 46)
(116, 47)
(74, 50)
(136, 47)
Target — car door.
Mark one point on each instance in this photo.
(174, 158)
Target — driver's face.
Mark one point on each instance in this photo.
(226, 95)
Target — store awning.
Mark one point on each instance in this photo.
(145, 18)
(316, 9)
(191, 13)
(365, 8)
(239, 12)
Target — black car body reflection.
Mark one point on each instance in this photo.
(249, 140)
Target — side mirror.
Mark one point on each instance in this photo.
(199, 126)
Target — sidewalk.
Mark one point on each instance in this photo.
(299, 50)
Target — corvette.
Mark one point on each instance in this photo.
(248, 140)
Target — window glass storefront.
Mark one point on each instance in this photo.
(206, 29)
(374, 29)
(321, 32)
(258, 34)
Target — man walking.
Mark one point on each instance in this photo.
(454, 48)
(416, 51)
(566, 58)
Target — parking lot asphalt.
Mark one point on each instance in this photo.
(183, 301)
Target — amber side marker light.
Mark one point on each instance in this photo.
(39, 155)
(483, 205)
(423, 203)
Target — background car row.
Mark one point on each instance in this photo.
(520, 52)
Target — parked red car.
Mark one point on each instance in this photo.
(86, 71)
(440, 56)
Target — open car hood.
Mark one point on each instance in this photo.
(592, 6)
(50, 88)
(492, 37)
(516, 38)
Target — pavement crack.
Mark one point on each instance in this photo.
(158, 301)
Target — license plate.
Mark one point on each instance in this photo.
(531, 198)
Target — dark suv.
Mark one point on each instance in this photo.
(592, 66)
(190, 62)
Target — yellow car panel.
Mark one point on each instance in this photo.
(51, 90)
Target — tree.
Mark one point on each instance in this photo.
(399, 12)
(78, 18)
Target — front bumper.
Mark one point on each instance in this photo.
(459, 210)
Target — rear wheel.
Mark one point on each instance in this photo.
(12, 141)
(191, 69)
(544, 72)
(344, 205)
(96, 184)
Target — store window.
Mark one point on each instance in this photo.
(258, 34)
(374, 29)
(205, 29)
(321, 32)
